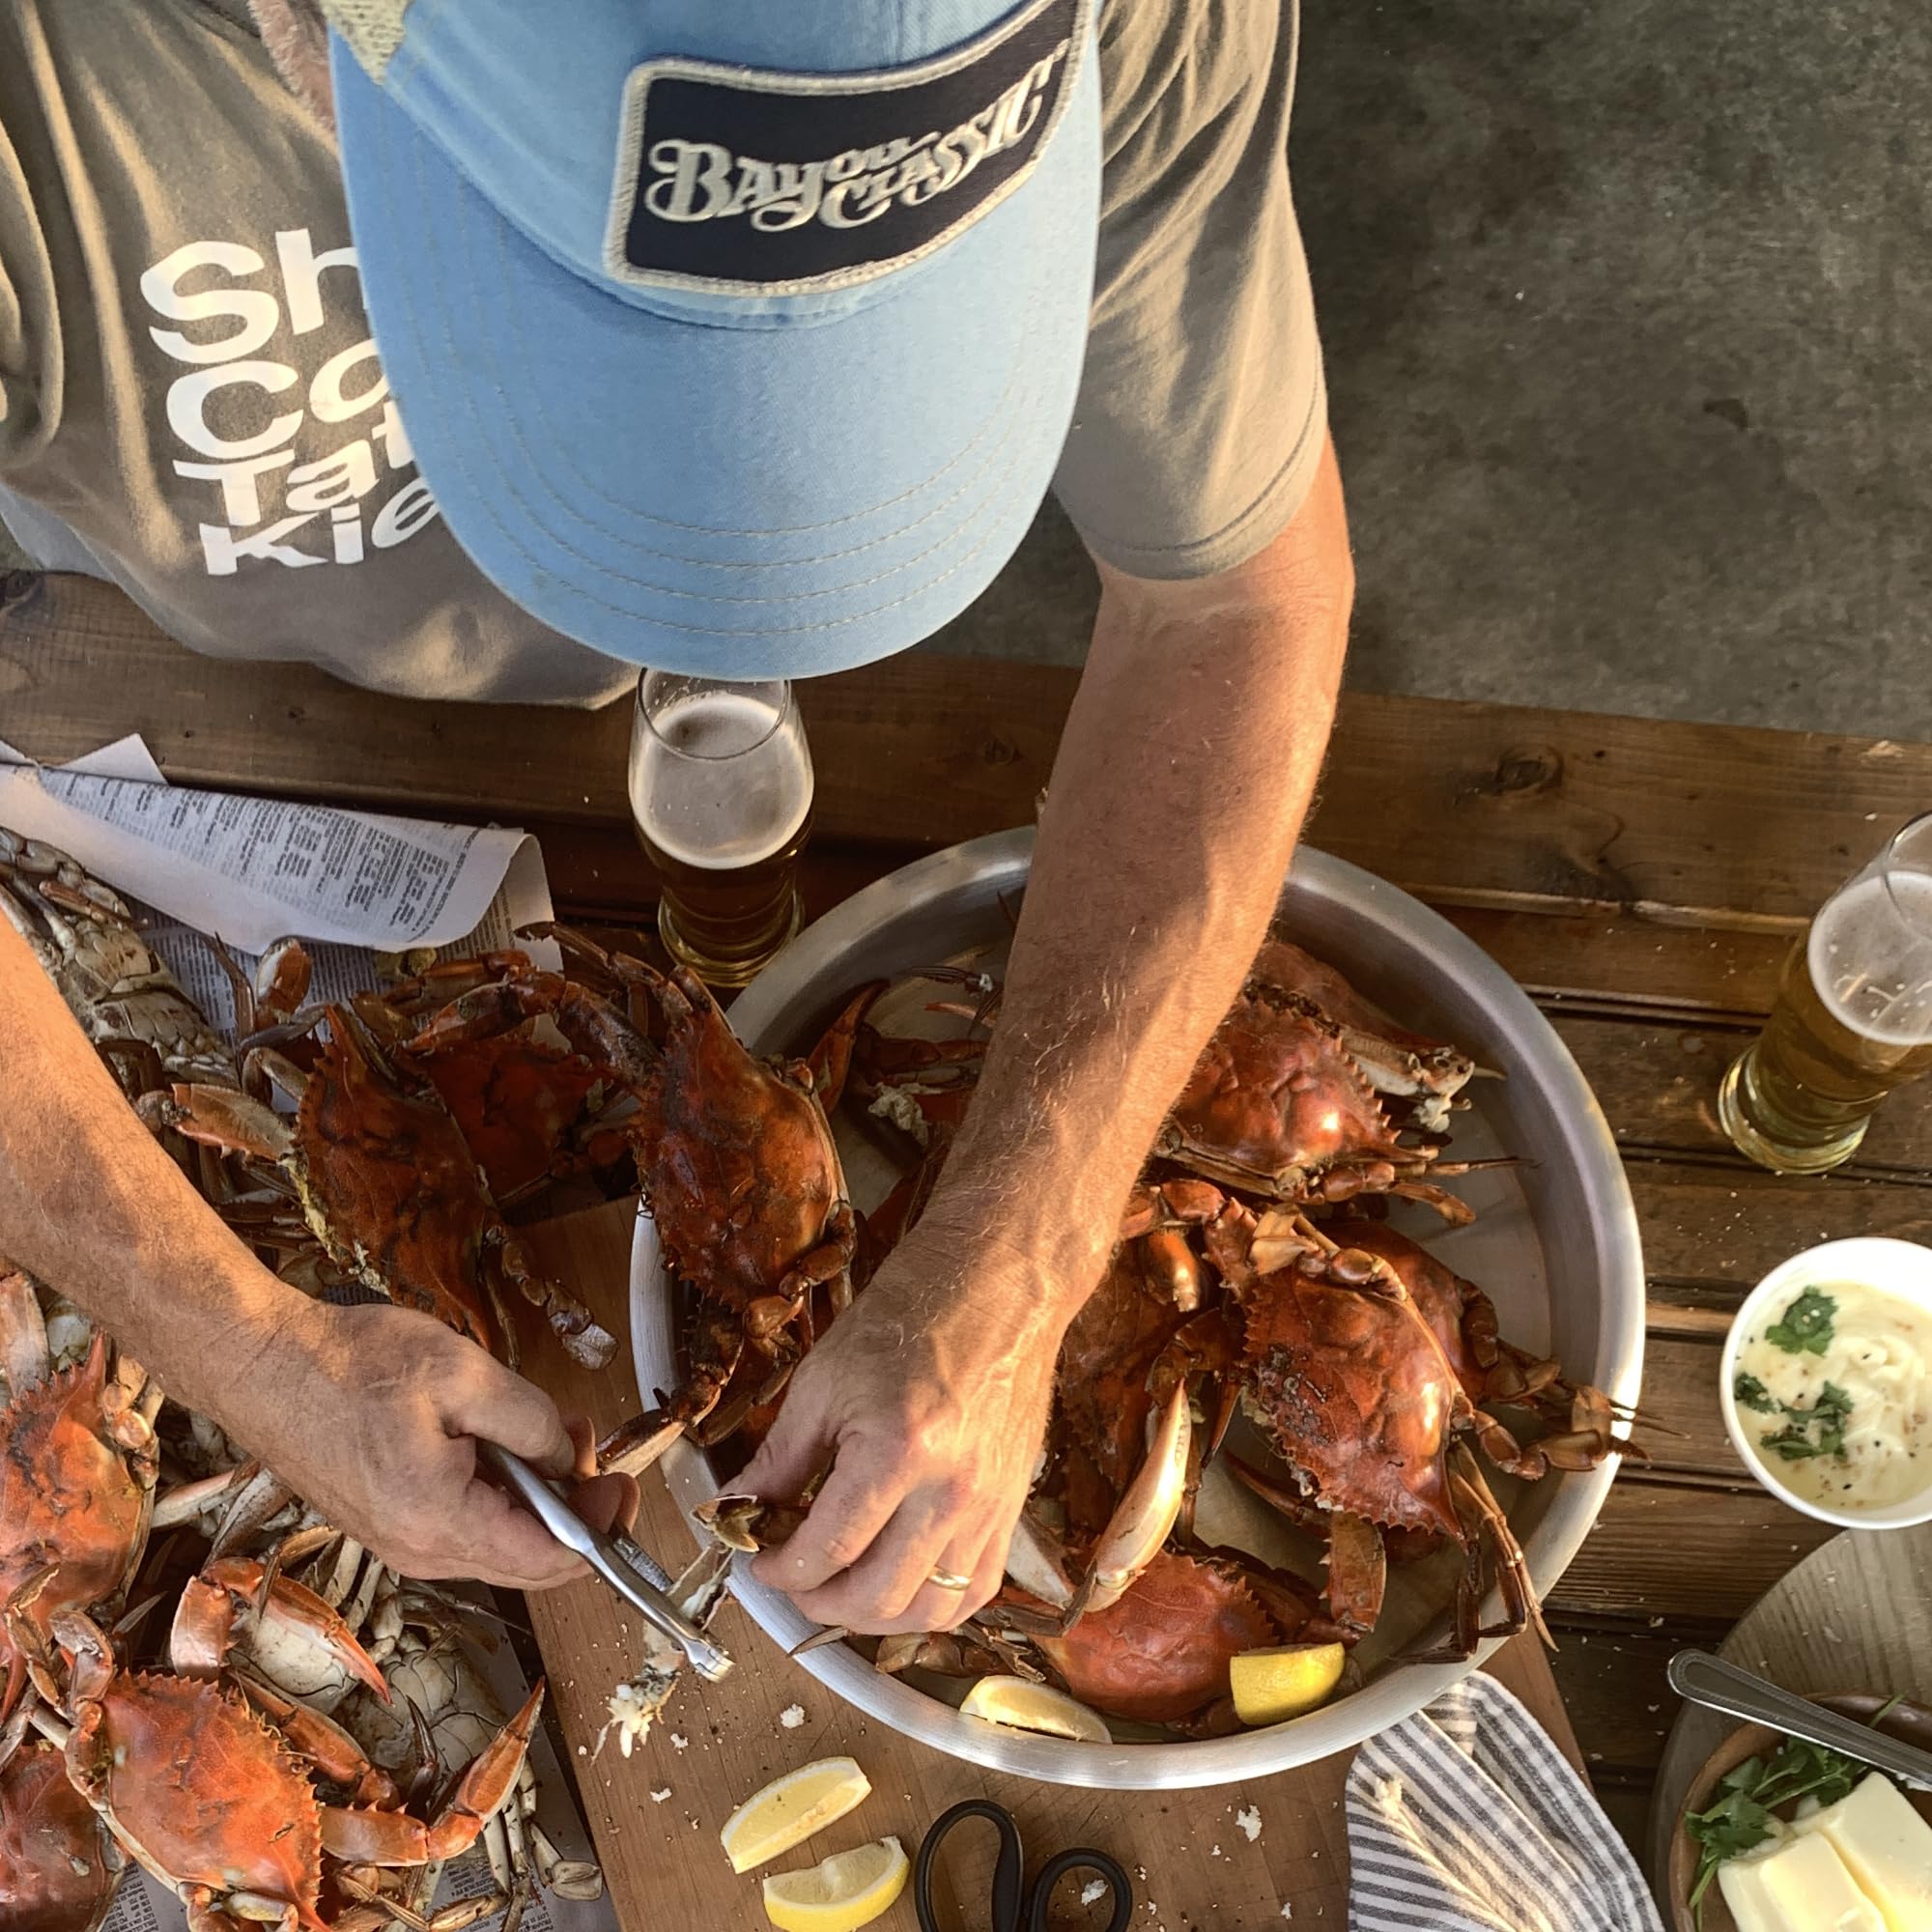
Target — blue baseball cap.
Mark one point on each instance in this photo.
(737, 340)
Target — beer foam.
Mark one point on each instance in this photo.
(722, 783)
(1867, 970)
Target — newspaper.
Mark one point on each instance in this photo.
(250, 871)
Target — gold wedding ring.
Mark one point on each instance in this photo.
(947, 1580)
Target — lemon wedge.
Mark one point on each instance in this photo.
(787, 1810)
(1272, 1686)
(1025, 1706)
(847, 1889)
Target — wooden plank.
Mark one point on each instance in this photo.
(1611, 1673)
(1626, 961)
(1474, 804)
(1675, 1547)
(1657, 1084)
(1684, 1426)
(1731, 1225)
(1194, 1866)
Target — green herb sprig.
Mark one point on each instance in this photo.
(1828, 1416)
(1805, 1326)
(1753, 1394)
(1741, 1819)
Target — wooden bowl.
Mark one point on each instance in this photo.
(1910, 1724)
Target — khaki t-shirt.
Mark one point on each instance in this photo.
(190, 403)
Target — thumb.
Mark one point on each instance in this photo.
(792, 1456)
(497, 1405)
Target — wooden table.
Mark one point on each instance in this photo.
(1641, 880)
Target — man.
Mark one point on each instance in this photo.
(741, 341)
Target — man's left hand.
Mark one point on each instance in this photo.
(928, 1399)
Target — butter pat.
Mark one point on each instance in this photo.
(1741, 1880)
(1799, 1886)
(1885, 1846)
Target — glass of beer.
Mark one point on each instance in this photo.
(721, 794)
(1852, 1018)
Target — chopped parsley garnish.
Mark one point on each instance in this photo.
(1740, 1818)
(1828, 1415)
(1805, 1326)
(1753, 1394)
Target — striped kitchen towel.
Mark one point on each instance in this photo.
(1466, 1818)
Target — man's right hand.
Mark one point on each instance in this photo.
(372, 1414)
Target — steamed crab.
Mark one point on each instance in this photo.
(78, 1471)
(382, 1179)
(213, 1799)
(58, 1868)
(736, 1159)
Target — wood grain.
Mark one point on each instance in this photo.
(1676, 1548)
(662, 1859)
(1657, 1084)
(1472, 805)
(1855, 1615)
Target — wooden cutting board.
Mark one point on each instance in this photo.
(1855, 1615)
(1193, 1865)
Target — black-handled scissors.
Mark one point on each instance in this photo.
(1015, 1907)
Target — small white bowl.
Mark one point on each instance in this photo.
(1900, 1269)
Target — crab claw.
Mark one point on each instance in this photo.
(1146, 1514)
(291, 1637)
(377, 1837)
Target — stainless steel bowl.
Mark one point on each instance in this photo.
(1556, 1245)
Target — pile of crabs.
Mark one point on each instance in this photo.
(388, 1144)
(1255, 1276)
(199, 1674)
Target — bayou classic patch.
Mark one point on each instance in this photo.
(742, 180)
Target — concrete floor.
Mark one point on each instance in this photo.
(1628, 315)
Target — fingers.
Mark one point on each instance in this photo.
(608, 1502)
(857, 1502)
(497, 1405)
(938, 1529)
(791, 1456)
(506, 1545)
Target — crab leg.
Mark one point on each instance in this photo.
(377, 1837)
(324, 1742)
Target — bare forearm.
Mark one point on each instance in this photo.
(91, 1201)
(1185, 772)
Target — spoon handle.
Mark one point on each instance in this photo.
(1703, 1679)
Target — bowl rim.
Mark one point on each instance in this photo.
(1889, 1251)
(1002, 858)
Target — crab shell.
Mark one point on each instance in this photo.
(57, 1867)
(1356, 1395)
(515, 1099)
(1161, 1653)
(1459, 1315)
(740, 1171)
(199, 1790)
(69, 1496)
(391, 1189)
(1275, 1100)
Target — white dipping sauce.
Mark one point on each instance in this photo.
(1837, 1401)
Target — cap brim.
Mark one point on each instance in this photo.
(784, 498)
